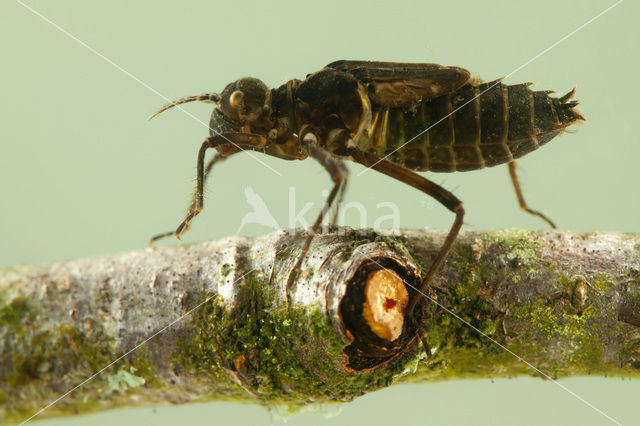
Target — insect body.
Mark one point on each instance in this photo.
(391, 117)
(502, 124)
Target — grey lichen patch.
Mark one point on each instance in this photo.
(123, 380)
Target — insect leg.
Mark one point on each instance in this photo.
(423, 184)
(218, 157)
(343, 188)
(336, 139)
(238, 142)
(422, 335)
(338, 172)
(521, 201)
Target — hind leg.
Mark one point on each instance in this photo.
(521, 201)
(444, 197)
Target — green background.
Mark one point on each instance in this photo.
(83, 173)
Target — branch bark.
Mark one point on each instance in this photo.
(215, 321)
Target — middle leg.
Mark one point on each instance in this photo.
(339, 173)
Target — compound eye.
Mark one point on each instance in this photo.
(236, 99)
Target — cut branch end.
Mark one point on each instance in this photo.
(386, 298)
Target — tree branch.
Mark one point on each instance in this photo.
(215, 320)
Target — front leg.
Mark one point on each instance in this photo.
(229, 143)
(339, 174)
(218, 157)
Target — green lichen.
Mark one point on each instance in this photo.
(521, 245)
(602, 282)
(576, 337)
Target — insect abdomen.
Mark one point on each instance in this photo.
(474, 127)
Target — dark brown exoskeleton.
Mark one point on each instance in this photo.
(391, 117)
